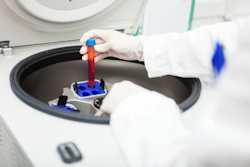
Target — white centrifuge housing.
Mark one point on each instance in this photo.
(39, 40)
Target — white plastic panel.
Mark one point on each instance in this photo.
(64, 16)
(210, 8)
(216, 11)
(238, 9)
(242, 7)
(206, 21)
(165, 16)
(23, 25)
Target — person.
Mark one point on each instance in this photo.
(153, 134)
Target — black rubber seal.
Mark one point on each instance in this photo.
(30, 64)
(194, 85)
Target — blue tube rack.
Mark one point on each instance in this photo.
(85, 91)
(65, 108)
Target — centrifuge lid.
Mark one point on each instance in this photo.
(27, 22)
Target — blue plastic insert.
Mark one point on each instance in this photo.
(85, 91)
(65, 108)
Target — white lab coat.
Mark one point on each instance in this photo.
(152, 134)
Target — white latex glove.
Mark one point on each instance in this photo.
(118, 93)
(115, 44)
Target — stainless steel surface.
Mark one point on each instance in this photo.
(47, 83)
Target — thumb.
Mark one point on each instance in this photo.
(103, 47)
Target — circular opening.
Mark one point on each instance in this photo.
(41, 78)
(95, 92)
(85, 94)
(82, 88)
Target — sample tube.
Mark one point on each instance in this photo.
(91, 62)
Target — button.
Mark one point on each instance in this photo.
(69, 152)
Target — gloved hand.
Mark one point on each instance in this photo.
(115, 44)
(118, 93)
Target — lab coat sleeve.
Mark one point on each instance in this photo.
(190, 54)
(150, 132)
(222, 137)
(148, 129)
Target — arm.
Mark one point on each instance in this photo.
(150, 132)
(181, 54)
(190, 54)
(226, 121)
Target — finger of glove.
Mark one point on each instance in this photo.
(85, 56)
(105, 107)
(101, 56)
(103, 47)
(83, 50)
(99, 41)
(109, 103)
(92, 34)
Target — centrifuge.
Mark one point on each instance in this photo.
(43, 121)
